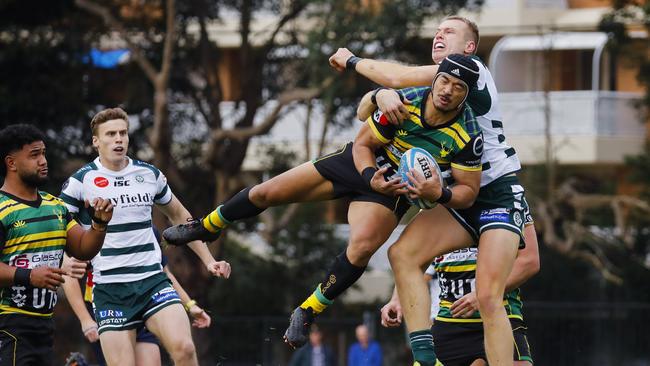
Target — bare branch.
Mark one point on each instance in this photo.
(168, 49)
(242, 134)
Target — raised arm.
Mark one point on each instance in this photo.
(386, 73)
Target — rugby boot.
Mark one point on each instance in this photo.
(190, 231)
(297, 333)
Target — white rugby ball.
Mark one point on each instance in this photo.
(420, 160)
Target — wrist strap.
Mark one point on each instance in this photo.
(96, 219)
(188, 305)
(351, 63)
(367, 174)
(22, 276)
(445, 196)
(99, 227)
(373, 96)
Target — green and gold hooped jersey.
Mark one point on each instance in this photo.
(32, 234)
(457, 277)
(457, 143)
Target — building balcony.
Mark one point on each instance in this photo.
(587, 127)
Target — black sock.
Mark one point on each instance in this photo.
(342, 274)
(240, 207)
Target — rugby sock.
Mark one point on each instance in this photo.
(237, 208)
(214, 221)
(341, 276)
(422, 348)
(316, 301)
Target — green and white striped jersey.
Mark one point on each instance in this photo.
(130, 251)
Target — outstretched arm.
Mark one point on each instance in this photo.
(75, 299)
(386, 73)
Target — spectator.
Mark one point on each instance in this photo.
(365, 352)
(315, 353)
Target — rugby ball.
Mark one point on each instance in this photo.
(420, 160)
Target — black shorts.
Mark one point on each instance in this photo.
(460, 344)
(338, 167)
(26, 340)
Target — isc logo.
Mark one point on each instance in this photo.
(121, 183)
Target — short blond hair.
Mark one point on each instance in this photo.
(470, 24)
(107, 115)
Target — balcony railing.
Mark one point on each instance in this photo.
(586, 126)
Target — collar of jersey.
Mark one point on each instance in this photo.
(36, 203)
(101, 166)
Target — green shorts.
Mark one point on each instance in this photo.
(499, 205)
(124, 306)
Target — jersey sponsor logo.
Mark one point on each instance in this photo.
(477, 148)
(121, 183)
(17, 296)
(19, 261)
(131, 200)
(380, 118)
(101, 182)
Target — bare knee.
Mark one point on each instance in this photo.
(398, 257)
(361, 248)
(265, 195)
(490, 303)
(183, 350)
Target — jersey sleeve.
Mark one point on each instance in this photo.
(70, 222)
(431, 270)
(3, 236)
(381, 127)
(163, 192)
(469, 158)
(72, 195)
(480, 98)
(413, 94)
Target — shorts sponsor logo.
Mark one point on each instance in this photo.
(495, 215)
(110, 313)
(163, 295)
(101, 182)
(516, 217)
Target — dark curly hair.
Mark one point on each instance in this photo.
(14, 137)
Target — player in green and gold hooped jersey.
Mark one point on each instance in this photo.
(35, 230)
(497, 212)
(377, 202)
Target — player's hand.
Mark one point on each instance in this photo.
(465, 306)
(101, 210)
(74, 267)
(391, 314)
(200, 319)
(391, 106)
(89, 329)
(340, 58)
(420, 187)
(393, 187)
(47, 277)
(219, 269)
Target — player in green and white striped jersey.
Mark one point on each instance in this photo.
(131, 289)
